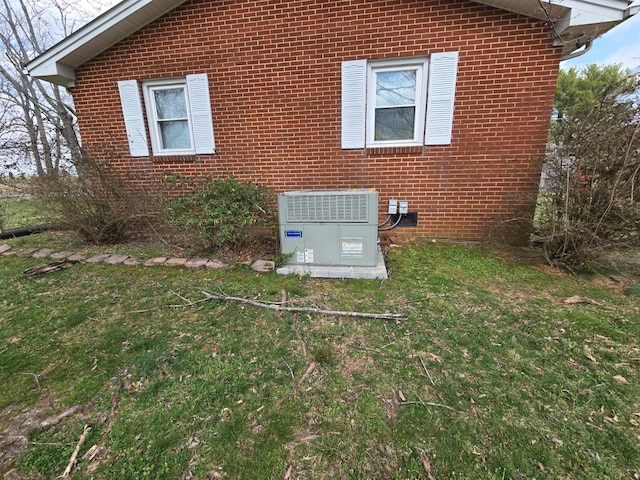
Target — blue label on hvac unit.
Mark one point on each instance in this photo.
(293, 233)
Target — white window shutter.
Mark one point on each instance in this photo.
(200, 106)
(443, 70)
(354, 104)
(133, 118)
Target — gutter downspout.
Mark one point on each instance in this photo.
(587, 46)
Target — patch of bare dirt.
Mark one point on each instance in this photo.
(16, 424)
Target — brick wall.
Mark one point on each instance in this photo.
(274, 73)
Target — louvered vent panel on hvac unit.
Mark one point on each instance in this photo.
(329, 227)
(330, 207)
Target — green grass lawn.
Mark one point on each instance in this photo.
(20, 212)
(491, 376)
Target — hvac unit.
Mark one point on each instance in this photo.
(329, 227)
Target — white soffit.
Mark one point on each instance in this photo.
(58, 64)
(530, 8)
(574, 22)
(580, 12)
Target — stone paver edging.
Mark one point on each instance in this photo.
(114, 259)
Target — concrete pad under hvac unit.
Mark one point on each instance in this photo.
(376, 272)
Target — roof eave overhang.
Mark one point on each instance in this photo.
(58, 64)
(574, 23)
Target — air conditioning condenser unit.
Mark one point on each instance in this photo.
(329, 227)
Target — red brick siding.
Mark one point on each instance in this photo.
(274, 73)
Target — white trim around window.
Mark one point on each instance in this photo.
(170, 125)
(396, 99)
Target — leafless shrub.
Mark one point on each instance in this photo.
(590, 200)
(102, 205)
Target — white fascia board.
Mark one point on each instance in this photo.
(585, 12)
(58, 63)
(587, 20)
(631, 11)
(57, 73)
(576, 12)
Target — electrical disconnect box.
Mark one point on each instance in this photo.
(329, 227)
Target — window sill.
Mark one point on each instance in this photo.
(192, 157)
(372, 151)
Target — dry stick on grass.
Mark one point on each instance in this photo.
(115, 398)
(35, 377)
(426, 464)
(185, 300)
(277, 307)
(280, 308)
(290, 370)
(303, 344)
(74, 455)
(425, 404)
(170, 307)
(287, 474)
(375, 350)
(312, 366)
(283, 301)
(51, 421)
(426, 371)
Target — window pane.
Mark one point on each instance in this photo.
(394, 123)
(396, 88)
(170, 103)
(175, 134)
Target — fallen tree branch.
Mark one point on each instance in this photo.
(48, 267)
(276, 306)
(51, 421)
(280, 308)
(161, 307)
(74, 455)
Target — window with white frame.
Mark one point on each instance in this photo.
(395, 102)
(168, 118)
(398, 102)
(178, 115)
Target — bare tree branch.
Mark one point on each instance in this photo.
(38, 129)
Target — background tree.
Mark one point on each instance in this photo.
(583, 89)
(38, 131)
(589, 202)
